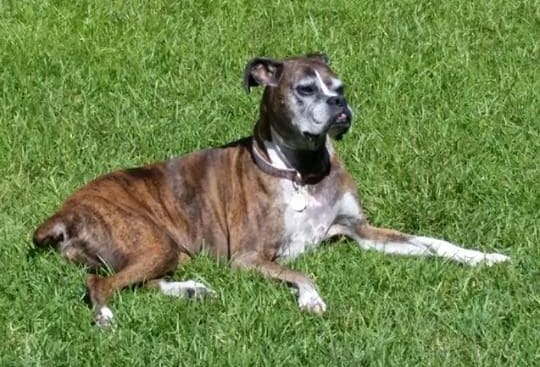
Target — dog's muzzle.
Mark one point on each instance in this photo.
(337, 126)
(340, 124)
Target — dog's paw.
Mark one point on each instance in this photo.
(491, 259)
(310, 301)
(104, 317)
(187, 289)
(488, 259)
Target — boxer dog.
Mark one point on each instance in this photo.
(256, 202)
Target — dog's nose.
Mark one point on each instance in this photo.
(338, 101)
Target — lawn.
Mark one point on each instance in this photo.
(445, 143)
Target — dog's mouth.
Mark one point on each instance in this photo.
(312, 138)
(343, 119)
(340, 125)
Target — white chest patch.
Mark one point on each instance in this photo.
(307, 221)
(305, 229)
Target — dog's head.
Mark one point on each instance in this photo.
(303, 99)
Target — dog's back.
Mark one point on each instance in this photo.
(177, 206)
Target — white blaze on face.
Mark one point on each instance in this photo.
(322, 85)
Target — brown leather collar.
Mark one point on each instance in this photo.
(267, 167)
(292, 174)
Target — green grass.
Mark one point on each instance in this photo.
(445, 143)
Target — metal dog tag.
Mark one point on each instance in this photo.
(299, 201)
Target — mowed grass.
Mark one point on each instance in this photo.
(445, 143)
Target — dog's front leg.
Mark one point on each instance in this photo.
(308, 297)
(394, 242)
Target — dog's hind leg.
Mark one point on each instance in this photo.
(394, 242)
(159, 259)
(137, 251)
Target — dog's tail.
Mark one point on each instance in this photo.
(52, 232)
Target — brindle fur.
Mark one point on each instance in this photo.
(139, 221)
(142, 222)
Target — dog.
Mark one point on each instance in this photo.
(256, 202)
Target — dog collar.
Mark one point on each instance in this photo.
(267, 167)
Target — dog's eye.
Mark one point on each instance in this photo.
(306, 90)
(340, 90)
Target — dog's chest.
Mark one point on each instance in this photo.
(305, 228)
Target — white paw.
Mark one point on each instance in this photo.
(104, 317)
(489, 259)
(187, 289)
(309, 300)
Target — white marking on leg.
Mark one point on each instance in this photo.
(309, 300)
(451, 251)
(187, 289)
(425, 246)
(104, 317)
(395, 248)
(351, 212)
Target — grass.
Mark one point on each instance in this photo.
(445, 143)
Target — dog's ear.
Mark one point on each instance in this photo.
(262, 71)
(322, 57)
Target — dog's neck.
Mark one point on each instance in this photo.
(312, 165)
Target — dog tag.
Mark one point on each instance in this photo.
(298, 201)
